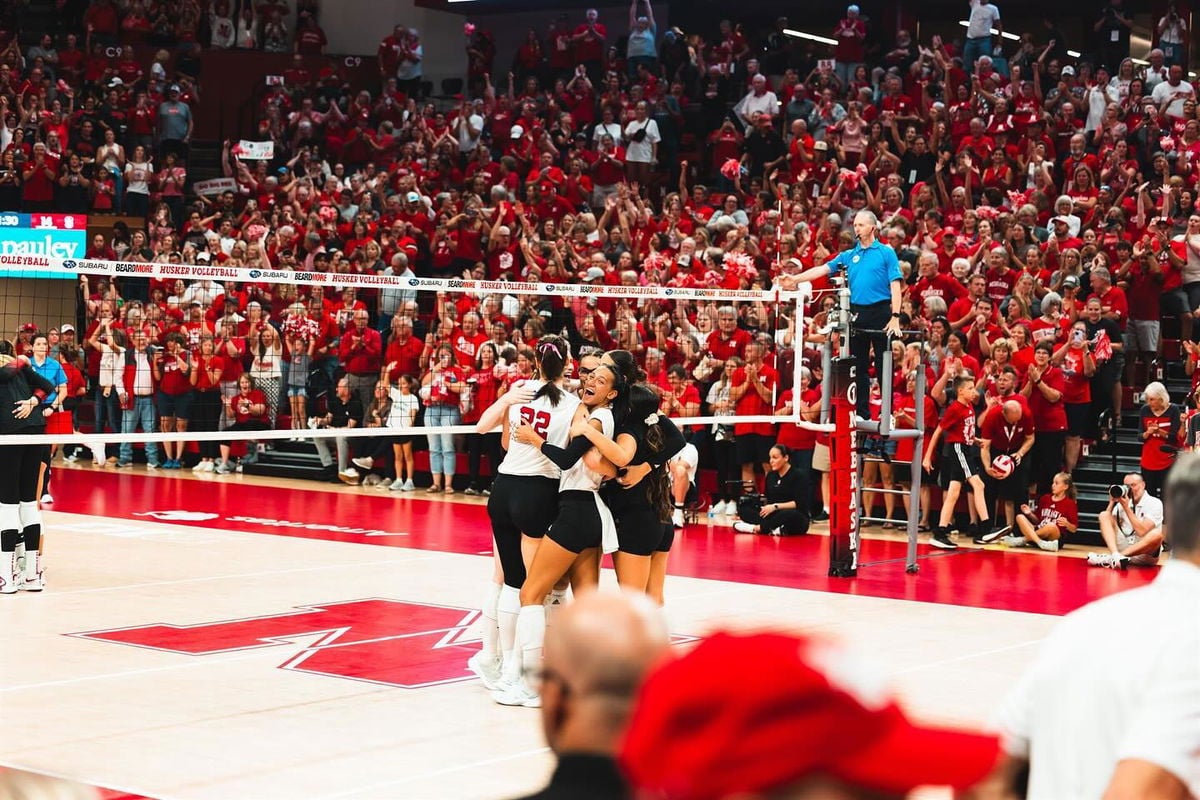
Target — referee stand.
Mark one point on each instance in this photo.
(838, 403)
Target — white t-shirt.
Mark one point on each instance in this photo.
(984, 17)
(641, 152)
(1164, 90)
(1191, 270)
(1117, 679)
(466, 142)
(1149, 507)
(112, 368)
(137, 176)
(765, 103)
(552, 422)
(613, 129)
(404, 408)
(579, 477)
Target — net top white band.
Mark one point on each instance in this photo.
(138, 269)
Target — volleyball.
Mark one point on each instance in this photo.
(1004, 465)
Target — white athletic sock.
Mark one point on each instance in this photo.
(491, 629)
(555, 602)
(507, 607)
(531, 632)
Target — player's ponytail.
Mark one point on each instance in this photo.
(551, 355)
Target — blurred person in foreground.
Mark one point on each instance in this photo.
(1110, 706)
(596, 654)
(814, 723)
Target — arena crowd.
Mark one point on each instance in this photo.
(1041, 208)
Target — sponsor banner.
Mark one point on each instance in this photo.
(255, 151)
(215, 186)
(33, 255)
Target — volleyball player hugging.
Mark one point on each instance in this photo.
(582, 527)
(524, 499)
(640, 498)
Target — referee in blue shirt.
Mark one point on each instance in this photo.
(876, 284)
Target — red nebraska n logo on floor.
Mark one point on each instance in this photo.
(392, 642)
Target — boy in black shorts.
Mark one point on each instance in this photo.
(960, 461)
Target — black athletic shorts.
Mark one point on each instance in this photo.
(578, 526)
(528, 503)
(639, 530)
(753, 448)
(961, 462)
(668, 539)
(1016, 486)
(1077, 418)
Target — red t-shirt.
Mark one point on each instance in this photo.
(174, 378)
(1004, 437)
(204, 364)
(1077, 386)
(751, 403)
(958, 423)
(1049, 417)
(791, 434)
(1051, 510)
(1153, 456)
(242, 403)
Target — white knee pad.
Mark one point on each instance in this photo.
(30, 514)
(10, 517)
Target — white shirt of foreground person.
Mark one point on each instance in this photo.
(1117, 680)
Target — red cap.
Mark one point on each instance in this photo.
(751, 713)
(29, 327)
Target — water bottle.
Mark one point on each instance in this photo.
(712, 514)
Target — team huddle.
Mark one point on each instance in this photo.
(584, 475)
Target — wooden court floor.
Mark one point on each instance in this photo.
(227, 637)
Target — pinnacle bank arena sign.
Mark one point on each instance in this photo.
(25, 239)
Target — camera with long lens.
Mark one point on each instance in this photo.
(1118, 490)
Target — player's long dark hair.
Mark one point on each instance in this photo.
(627, 365)
(619, 404)
(552, 355)
(643, 402)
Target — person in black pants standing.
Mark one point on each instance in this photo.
(22, 390)
(876, 284)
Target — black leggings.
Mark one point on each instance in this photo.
(479, 444)
(20, 465)
(205, 415)
(791, 521)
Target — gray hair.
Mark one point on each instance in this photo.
(868, 215)
(1156, 389)
(935, 305)
(1051, 299)
(1103, 273)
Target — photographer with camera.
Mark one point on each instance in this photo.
(1112, 35)
(1172, 36)
(1131, 526)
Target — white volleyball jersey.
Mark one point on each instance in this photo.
(579, 477)
(552, 423)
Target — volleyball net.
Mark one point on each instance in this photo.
(117, 317)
